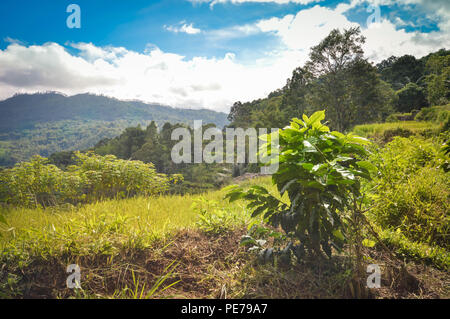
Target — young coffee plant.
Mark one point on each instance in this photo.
(320, 171)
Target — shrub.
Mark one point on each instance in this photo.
(436, 114)
(412, 190)
(38, 183)
(319, 170)
(388, 135)
(397, 117)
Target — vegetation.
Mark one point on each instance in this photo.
(411, 193)
(45, 123)
(128, 215)
(93, 177)
(318, 171)
(336, 76)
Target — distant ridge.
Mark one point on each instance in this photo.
(23, 111)
(45, 123)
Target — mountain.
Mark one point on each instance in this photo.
(26, 110)
(45, 123)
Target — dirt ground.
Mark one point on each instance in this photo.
(205, 266)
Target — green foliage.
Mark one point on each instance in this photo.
(438, 80)
(93, 177)
(42, 124)
(214, 219)
(399, 71)
(397, 117)
(150, 146)
(319, 171)
(405, 247)
(436, 114)
(411, 191)
(336, 77)
(411, 97)
(384, 132)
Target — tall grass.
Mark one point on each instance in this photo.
(370, 130)
(104, 227)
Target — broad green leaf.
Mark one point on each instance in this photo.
(317, 117)
(367, 165)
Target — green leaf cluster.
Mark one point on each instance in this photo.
(319, 172)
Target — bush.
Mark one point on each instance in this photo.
(94, 177)
(320, 172)
(412, 191)
(388, 135)
(397, 117)
(436, 114)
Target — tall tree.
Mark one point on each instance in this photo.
(346, 84)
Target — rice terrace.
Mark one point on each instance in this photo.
(161, 151)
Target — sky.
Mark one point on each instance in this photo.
(195, 53)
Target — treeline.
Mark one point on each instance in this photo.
(338, 78)
(153, 145)
(45, 123)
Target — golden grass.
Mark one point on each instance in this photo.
(368, 130)
(106, 226)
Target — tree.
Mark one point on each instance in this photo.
(346, 83)
(320, 171)
(399, 71)
(438, 79)
(411, 97)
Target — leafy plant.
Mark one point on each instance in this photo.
(38, 183)
(410, 193)
(214, 219)
(319, 171)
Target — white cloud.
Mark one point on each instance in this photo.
(383, 39)
(214, 83)
(214, 2)
(237, 31)
(151, 76)
(184, 28)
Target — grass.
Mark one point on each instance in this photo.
(377, 129)
(155, 248)
(104, 226)
(105, 233)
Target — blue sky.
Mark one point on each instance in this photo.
(191, 53)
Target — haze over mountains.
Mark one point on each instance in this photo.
(26, 110)
(44, 123)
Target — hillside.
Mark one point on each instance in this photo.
(169, 247)
(45, 123)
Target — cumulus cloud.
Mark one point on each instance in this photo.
(151, 76)
(214, 83)
(184, 28)
(383, 38)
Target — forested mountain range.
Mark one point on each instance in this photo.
(24, 111)
(45, 123)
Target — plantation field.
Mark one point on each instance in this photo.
(161, 247)
(93, 227)
(55, 237)
(377, 129)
